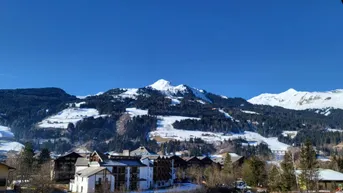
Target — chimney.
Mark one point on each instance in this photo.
(126, 152)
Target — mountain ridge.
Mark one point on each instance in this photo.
(301, 100)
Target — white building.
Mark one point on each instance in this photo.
(91, 179)
(146, 173)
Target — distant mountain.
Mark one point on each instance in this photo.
(299, 100)
(122, 118)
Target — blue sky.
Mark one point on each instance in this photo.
(229, 47)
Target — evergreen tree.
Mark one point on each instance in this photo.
(227, 170)
(44, 156)
(254, 172)
(274, 179)
(308, 166)
(27, 155)
(288, 176)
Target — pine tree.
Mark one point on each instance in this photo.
(274, 179)
(27, 155)
(227, 170)
(254, 172)
(288, 176)
(44, 156)
(308, 166)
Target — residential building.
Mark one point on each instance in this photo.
(327, 179)
(236, 160)
(4, 171)
(163, 171)
(127, 170)
(93, 180)
(64, 167)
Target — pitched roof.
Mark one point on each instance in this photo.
(90, 171)
(9, 167)
(81, 161)
(327, 175)
(102, 156)
(142, 151)
(124, 163)
(69, 155)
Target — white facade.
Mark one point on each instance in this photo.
(87, 184)
(146, 173)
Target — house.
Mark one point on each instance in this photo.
(327, 179)
(64, 167)
(4, 170)
(142, 151)
(92, 180)
(201, 161)
(236, 160)
(128, 171)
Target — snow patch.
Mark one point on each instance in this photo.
(200, 94)
(249, 112)
(299, 100)
(165, 87)
(130, 93)
(11, 146)
(5, 132)
(70, 115)
(291, 134)
(225, 114)
(136, 112)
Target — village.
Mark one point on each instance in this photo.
(141, 170)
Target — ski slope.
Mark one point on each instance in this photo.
(166, 130)
(70, 115)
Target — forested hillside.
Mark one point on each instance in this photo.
(103, 122)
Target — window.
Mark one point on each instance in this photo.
(2, 182)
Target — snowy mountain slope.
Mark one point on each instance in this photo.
(166, 130)
(69, 115)
(169, 90)
(10, 146)
(165, 87)
(5, 132)
(299, 100)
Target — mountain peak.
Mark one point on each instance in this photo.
(161, 84)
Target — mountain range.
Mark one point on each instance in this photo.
(161, 113)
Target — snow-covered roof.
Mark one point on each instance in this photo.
(327, 175)
(90, 171)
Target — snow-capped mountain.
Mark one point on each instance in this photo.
(165, 87)
(300, 100)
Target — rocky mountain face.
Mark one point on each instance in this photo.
(175, 115)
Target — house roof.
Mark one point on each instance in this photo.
(90, 171)
(81, 161)
(69, 155)
(102, 156)
(142, 151)
(327, 175)
(123, 162)
(9, 167)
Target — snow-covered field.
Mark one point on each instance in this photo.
(70, 115)
(130, 93)
(136, 112)
(166, 130)
(5, 132)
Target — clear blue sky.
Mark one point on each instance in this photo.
(229, 47)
